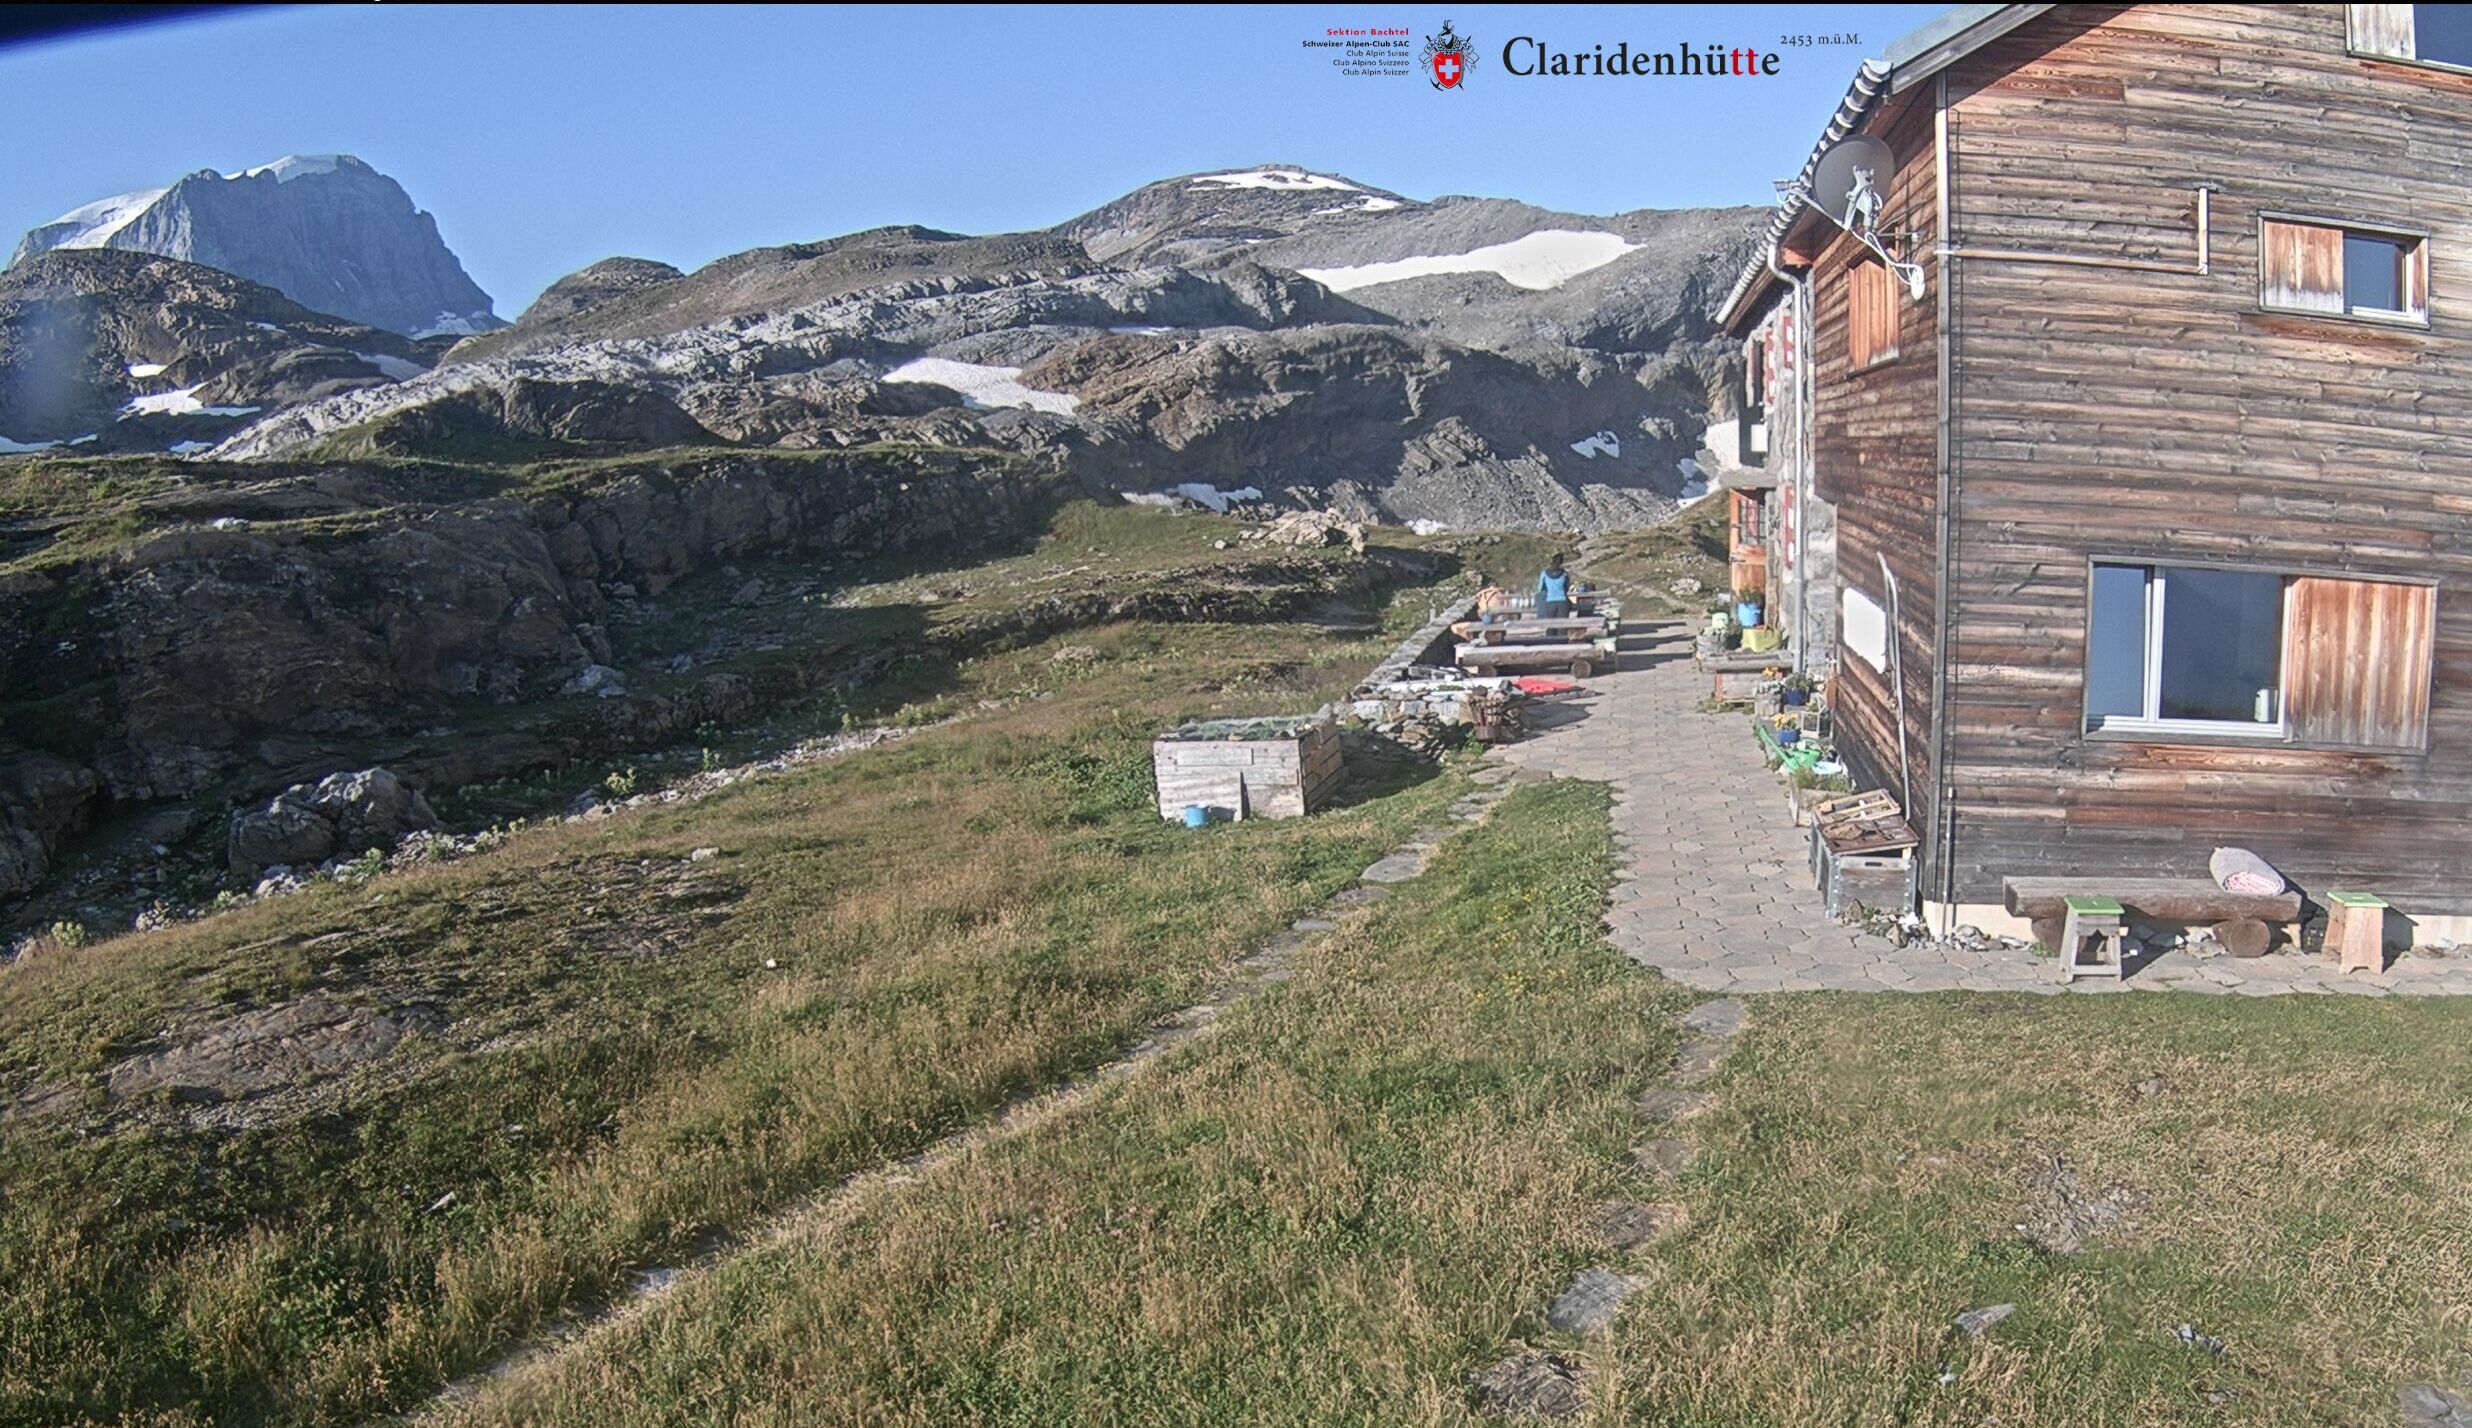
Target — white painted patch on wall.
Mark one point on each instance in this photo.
(1866, 628)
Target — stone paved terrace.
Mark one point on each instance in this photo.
(1717, 895)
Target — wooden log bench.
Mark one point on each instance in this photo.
(2242, 922)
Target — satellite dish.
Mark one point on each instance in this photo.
(1851, 187)
(1857, 167)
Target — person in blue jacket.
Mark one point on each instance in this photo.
(1553, 589)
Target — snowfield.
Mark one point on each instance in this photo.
(983, 386)
(146, 369)
(457, 324)
(180, 403)
(99, 220)
(1541, 260)
(292, 166)
(1286, 179)
(1604, 443)
(7, 446)
(1199, 493)
(392, 368)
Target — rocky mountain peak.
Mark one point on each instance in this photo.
(1193, 215)
(326, 230)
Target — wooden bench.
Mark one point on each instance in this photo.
(2242, 922)
(1533, 630)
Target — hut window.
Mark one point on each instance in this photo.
(1871, 313)
(2331, 269)
(2313, 659)
(2172, 648)
(2430, 34)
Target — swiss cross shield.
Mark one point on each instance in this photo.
(1450, 56)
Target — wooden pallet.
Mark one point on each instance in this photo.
(1863, 823)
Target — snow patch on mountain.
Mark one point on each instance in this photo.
(7, 446)
(96, 222)
(1370, 203)
(1285, 180)
(1199, 493)
(981, 385)
(1604, 443)
(183, 402)
(146, 369)
(292, 166)
(392, 368)
(460, 324)
(1544, 259)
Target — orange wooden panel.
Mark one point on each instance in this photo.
(2357, 662)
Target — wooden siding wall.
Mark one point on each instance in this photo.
(1875, 459)
(2164, 416)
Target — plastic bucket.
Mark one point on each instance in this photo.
(1196, 815)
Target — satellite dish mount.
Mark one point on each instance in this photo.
(1850, 188)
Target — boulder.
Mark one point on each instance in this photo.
(342, 813)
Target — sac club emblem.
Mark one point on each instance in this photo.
(1449, 57)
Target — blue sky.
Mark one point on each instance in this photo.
(543, 139)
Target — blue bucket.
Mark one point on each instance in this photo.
(1196, 815)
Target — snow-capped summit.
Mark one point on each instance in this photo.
(292, 166)
(326, 230)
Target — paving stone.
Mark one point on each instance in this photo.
(1359, 897)
(1397, 868)
(1533, 1384)
(1698, 1059)
(1672, 1103)
(1723, 1017)
(1594, 1297)
(1312, 924)
(1664, 1157)
(1978, 1322)
(1628, 1224)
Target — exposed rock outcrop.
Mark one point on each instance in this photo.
(341, 814)
(128, 351)
(348, 607)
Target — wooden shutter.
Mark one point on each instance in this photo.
(1871, 313)
(2356, 662)
(2380, 30)
(2301, 266)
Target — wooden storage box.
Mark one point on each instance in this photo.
(1248, 768)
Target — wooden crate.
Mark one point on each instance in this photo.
(1251, 768)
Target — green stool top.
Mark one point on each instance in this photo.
(2355, 899)
(2093, 904)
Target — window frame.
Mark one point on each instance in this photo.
(1867, 262)
(2351, 47)
(2160, 732)
(2155, 728)
(2417, 254)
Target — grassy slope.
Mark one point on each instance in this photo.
(1363, 1188)
(979, 911)
(1371, 1185)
